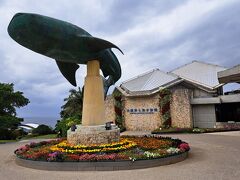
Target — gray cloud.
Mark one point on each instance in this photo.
(125, 14)
(214, 38)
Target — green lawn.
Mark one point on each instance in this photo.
(48, 136)
(6, 141)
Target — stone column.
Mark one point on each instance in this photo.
(93, 101)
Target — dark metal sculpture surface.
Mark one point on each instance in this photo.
(68, 44)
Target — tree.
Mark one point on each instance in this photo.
(71, 112)
(9, 101)
(42, 130)
(65, 124)
(73, 105)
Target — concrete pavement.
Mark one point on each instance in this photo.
(212, 156)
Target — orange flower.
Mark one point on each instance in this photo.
(150, 142)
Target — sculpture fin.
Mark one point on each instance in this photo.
(106, 84)
(68, 70)
(97, 44)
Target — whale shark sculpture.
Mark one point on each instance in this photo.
(68, 44)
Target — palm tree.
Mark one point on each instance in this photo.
(73, 104)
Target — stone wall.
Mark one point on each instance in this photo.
(181, 110)
(109, 109)
(140, 119)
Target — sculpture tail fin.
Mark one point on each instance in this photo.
(106, 84)
(97, 44)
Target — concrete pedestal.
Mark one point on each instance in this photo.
(88, 135)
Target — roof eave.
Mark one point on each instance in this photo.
(201, 84)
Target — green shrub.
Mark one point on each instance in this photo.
(198, 130)
(64, 124)
(42, 130)
(5, 134)
(18, 133)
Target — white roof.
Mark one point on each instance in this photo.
(24, 127)
(34, 125)
(149, 81)
(200, 73)
(28, 126)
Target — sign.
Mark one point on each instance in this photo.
(142, 110)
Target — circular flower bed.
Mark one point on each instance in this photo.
(128, 148)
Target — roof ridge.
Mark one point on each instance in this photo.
(183, 65)
(140, 75)
(201, 62)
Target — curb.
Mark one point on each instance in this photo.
(100, 166)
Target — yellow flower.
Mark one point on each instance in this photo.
(64, 146)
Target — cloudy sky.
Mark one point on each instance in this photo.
(152, 34)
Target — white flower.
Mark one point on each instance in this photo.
(151, 154)
(173, 150)
(132, 159)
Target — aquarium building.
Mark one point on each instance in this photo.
(197, 99)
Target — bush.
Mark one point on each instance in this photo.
(5, 134)
(42, 130)
(64, 124)
(198, 130)
(18, 133)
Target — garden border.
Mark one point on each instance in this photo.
(101, 165)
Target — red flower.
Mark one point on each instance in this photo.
(184, 147)
(74, 157)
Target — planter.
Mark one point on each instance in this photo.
(101, 165)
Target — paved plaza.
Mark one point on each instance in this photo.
(212, 156)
